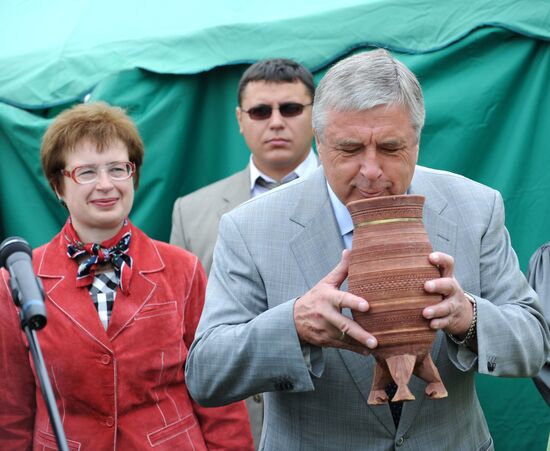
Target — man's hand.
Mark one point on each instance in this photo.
(454, 313)
(318, 314)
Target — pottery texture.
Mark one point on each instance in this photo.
(389, 267)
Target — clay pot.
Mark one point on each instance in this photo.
(389, 266)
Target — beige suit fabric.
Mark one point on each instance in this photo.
(196, 217)
(195, 221)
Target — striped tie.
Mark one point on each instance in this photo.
(260, 181)
(270, 184)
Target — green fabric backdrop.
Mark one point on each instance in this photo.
(486, 85)
(54, 51)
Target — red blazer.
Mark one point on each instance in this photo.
(121, 388)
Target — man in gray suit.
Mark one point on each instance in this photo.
(274, 116)
(277, 317)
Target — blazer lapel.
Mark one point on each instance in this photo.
(314, 213)
(236, 191)
(441, 231)
(58, 274)
(146, 260)
(126, 307)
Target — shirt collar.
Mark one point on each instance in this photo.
(343, 217)
(306, 167)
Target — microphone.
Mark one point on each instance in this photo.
(26, 288)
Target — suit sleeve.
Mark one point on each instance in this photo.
(242, 346)
(227, 427)
(512, 335)
(17, 384)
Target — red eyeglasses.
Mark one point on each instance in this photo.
(288, 109)
(117, 171)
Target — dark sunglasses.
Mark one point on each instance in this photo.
(288, 109)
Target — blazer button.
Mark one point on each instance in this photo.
(105, 359)
(109, 421)
(400, 441)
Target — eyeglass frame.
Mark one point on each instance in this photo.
(278, 107)
(72, 173)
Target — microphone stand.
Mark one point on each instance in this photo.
(27, 293)
(47, 391)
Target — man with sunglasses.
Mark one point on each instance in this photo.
(275, 97)
(277, 312)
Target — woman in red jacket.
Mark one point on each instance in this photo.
(122, 312)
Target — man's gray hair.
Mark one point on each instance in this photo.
(364, 81)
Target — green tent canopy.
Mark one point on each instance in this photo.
(54, 52)
(484, 67)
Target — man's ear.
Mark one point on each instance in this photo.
(317, 141)
(417, 151)
(239, 114)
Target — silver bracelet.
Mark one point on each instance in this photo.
(470, 334)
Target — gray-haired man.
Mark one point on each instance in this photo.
(276, 320)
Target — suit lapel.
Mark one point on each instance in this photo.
(314, 213)
(58, 275)
(146, 260)
(361, 369)
(441, 231)
(236, 192)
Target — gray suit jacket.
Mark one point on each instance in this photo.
(277, 246)
(196, 217)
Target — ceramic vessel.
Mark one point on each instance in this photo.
(389, 266)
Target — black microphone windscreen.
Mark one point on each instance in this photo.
(11, 245)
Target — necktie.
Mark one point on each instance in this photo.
(267, 183)
(113, 251)
(395, 407)
(270, 184)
